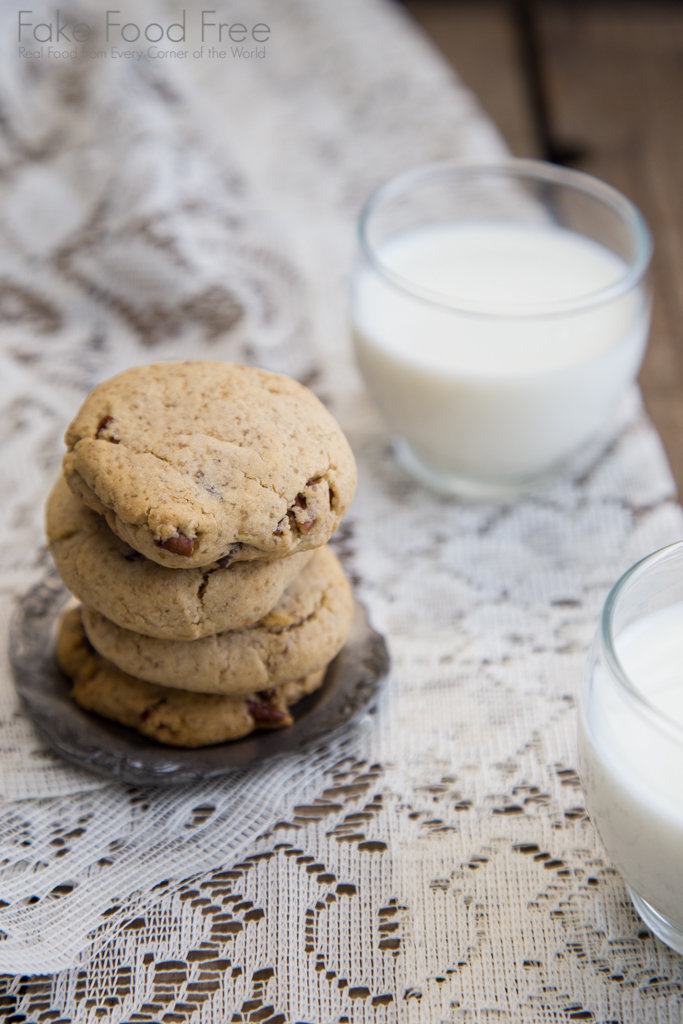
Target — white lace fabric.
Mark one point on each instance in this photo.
(436, 863)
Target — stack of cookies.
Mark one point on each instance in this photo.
(191, 521)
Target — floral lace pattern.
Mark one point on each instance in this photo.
(437, 863)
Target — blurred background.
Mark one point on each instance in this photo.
(150, 204)
(596, 85)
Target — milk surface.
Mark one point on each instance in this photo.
(491, 390)
(632, 761)
(651, 653)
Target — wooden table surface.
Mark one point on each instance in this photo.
(598, 85)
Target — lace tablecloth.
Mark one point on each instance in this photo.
(436, 863)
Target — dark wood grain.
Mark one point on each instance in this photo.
(612, 74)
(480, 40)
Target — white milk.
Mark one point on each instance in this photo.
(499, 398)
(632, 764)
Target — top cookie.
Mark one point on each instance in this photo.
(198, 461)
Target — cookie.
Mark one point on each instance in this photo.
(198, 461)
(305, 630)
(170, 716)
(107, 574)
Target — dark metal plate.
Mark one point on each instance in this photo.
(86, 739)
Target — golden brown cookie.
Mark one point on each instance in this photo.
(307, 627)
(198, 461)
(170, 716)
(107, 574)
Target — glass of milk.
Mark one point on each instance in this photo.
(631, 737)
(499, 313)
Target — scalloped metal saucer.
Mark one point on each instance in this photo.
(115, 751)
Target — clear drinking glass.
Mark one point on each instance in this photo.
(499, 312)
(631, 737)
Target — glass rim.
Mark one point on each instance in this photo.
(514, 167)
(606, 633)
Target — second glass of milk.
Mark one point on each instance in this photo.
(499, 313)
(631, 737)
